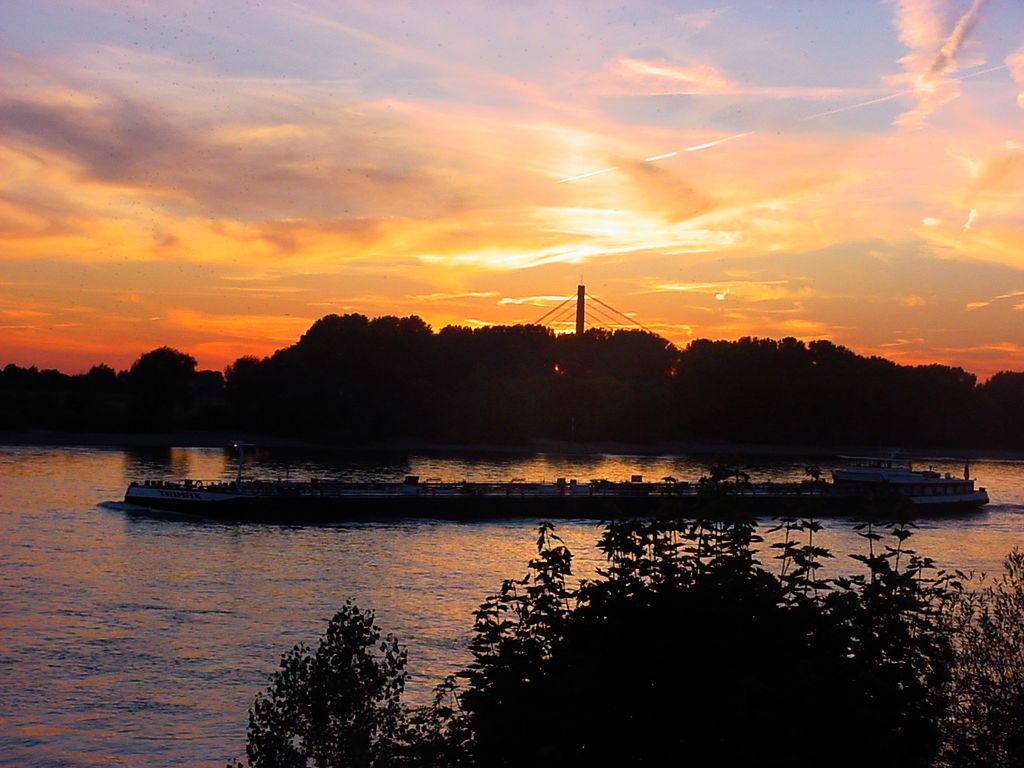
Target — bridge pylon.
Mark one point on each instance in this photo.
(581, 308)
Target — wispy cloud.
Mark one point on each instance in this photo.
(339, 162)
(23, 313)
(454, 296)
(537, 301)
(684, 288)
(1015, 61)
(742, 290)
(972, 216)
(987, 302)
(945, 60)
(700, 78)
(659, 77)
(932, 56)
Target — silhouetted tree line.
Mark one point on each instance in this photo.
(684, 650)
(352, 379)
(161, 391)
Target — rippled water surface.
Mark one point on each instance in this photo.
(132, 640)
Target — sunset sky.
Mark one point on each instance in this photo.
(215, 176)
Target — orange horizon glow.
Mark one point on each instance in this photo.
(216, 182)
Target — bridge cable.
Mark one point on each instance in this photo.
(562, 317)
(639, 325)
(615, 311)
(605, 318)
(541, 318)
(568, 317)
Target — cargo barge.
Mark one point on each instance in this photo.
(872, 487)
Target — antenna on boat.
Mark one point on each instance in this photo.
(241, 446)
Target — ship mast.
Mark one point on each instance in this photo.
(241, 446)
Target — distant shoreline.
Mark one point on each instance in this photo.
(45, 438)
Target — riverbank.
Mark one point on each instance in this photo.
(199, 439)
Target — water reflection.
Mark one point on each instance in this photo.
(131, 640)
(205, 463)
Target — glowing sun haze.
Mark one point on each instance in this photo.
(215, 176)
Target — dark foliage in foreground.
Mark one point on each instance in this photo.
(351, 379)
(985, 723)
(337, 705)
(686, 648)
(687, 651)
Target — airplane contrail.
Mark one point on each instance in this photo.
(896, 95)
(848, 107)
(715, 143)
(591, 173)
(815, 116)
(665, 156)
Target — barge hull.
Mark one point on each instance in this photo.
(303, 510)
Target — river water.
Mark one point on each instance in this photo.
(127, 639)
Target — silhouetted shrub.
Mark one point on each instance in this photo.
(985, 724)
(686, 650)
(338, 705)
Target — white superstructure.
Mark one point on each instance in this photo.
(898, 476)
